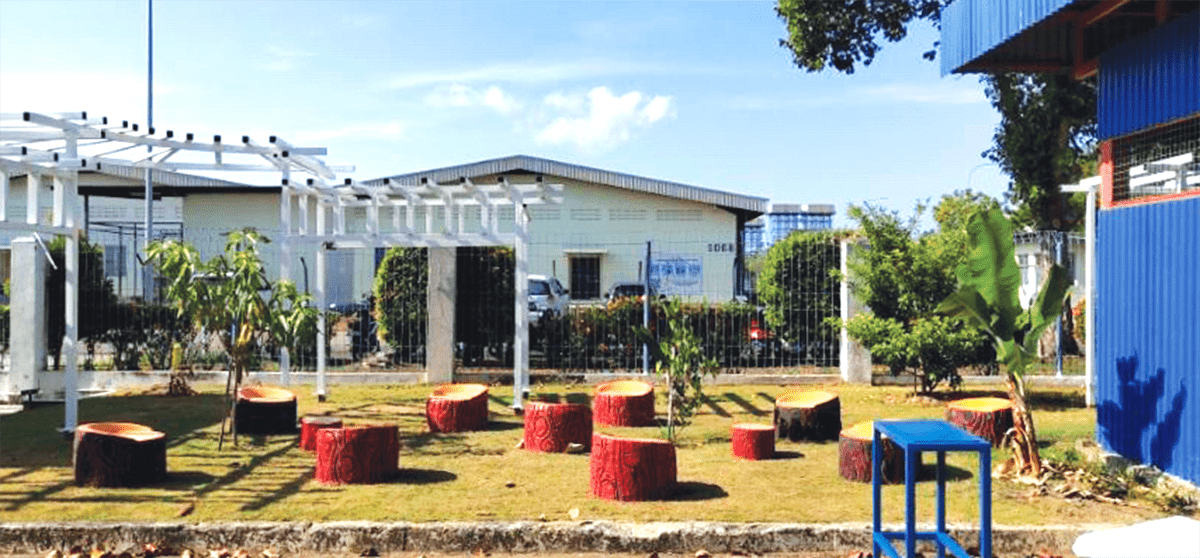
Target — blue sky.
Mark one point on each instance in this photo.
(693, 92)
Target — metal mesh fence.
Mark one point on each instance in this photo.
(1161, 161)
(588, 322)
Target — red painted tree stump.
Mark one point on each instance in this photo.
(808, 415)
(457, 408)
(854, 455)
(624, 403)
(265, 410)
(753, 441)
(309, 427)
(357, 454)
(630, 469)
(986, 417)
(119, 454)
(550, 427)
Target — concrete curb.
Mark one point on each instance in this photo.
(502, 536)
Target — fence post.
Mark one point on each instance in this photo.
(439, 341)
(853, 360)
(27, 325)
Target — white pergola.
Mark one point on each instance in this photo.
(423, 213)
(56, 147)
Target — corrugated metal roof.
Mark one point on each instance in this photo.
(536, 165)
(1147, 380)
(1150, 79)
(168, 178)
(972, 28)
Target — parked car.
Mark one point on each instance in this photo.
(546, 296)
(628, 288)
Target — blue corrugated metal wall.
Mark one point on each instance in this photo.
(972, 27)
(1151, 79)
(1148, 334)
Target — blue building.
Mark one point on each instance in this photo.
(1146, 59)
(781, 219)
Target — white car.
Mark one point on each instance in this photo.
(546, 296)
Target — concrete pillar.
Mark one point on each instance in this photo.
(439, 339)
(853, 359)
(27, 325)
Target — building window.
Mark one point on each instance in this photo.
(585, 277)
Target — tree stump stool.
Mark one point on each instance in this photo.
(357, 454)
(310, 425)
(457, 408)
(550, 427)
(119, 454)
(630, 469)
(265, 410)
(624, 403)
(753, 441)
(986, 417)
(808, 415)
(854, 455)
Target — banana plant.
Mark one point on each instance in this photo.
(988, 297)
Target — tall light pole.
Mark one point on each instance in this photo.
(147, 274)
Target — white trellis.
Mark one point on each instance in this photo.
(419, 213)
(60, 145)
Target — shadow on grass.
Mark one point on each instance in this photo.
(503, 425)
(716, 409)
(747, 406)
(290, 488)
(696, 491)
(424, 476)
(787, 455)
(928, 473)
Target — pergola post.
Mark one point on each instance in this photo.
(440, 313)
(521, 304)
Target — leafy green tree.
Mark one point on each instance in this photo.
(988, 299)
(230, 295)
(400, 291)
(1047, 121)
(1045, 138)
(902, 275)
(799, 287)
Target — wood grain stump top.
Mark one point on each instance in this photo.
(632, 469)
(550, 427)
(265, 410)
(457, 408)
(854, 455)
(812, 415)
(753, 441)
(363, 454)
(624, 403)
(987, 417)
(119, 454)
(310, 425)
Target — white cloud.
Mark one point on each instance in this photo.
(459, 95)
(282, 59)
(121, 96)
(600, 120)
(536, 72)
(376, 130)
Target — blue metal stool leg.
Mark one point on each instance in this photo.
(941, 502)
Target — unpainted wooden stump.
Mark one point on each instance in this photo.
(550, 427)
(118, 454)
(457, 408)
(265, 410)
(624, 403)
(854, 455)
(987, 417)
(632, 469)
(811, 415)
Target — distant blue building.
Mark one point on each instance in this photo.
(1146, 60)
(783, 218)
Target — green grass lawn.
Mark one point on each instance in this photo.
(467, 476)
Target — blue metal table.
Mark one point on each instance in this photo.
(914, 437)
